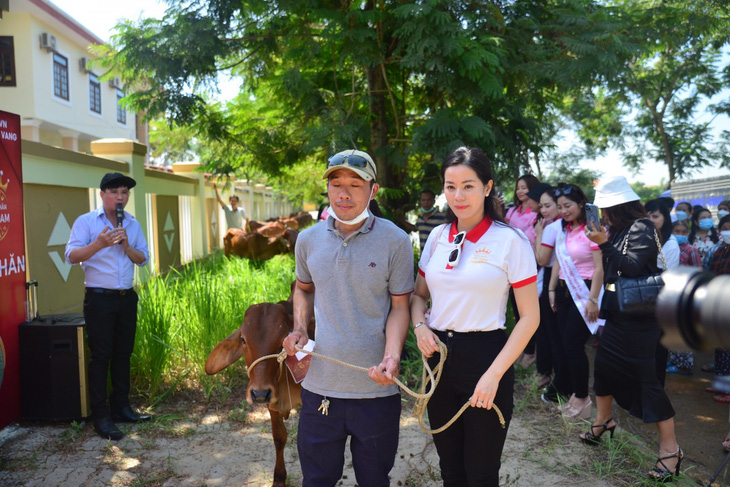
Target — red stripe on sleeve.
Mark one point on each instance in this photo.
(524, 282)
(548, 246)
(421, 273)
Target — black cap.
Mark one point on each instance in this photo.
(537, 191)
(116, 179)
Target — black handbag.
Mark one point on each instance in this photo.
(637, 295)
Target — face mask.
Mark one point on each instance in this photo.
(681, 239)
(706, 223)
(725, 236)
(424, 210)
(681, 215)
(722, 214)
(359, 218)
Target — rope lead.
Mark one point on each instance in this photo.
(422, 397)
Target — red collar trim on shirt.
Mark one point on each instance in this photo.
(475, 233)
(569, 227)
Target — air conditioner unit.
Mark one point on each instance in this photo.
(82, 65)
(48, 42)
(116, 83)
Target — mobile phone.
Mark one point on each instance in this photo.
(592, 215)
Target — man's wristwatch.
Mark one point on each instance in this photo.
(418, 324)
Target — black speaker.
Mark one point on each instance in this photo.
(53, 369)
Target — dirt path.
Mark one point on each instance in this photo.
(194, 443)
(215, 450)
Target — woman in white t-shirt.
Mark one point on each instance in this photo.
(467, 268)
(547, 229)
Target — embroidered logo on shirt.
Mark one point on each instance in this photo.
(372, 264)
(481, 256)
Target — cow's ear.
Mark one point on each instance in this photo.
(225, 353)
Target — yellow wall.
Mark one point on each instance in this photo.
(215, 224)
(167, 222)
(50, 212)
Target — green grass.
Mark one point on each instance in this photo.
(185, 313)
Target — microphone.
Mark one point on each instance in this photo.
(120, 216)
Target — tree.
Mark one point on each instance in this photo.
(647, 193)
(655, 101)
(172, 144)
(406, 81)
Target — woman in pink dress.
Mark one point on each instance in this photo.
(520, 215)
(523, 217)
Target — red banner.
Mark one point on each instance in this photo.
(12, 265)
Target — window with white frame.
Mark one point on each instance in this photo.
(60, 76)
(94, 94)
(121, 111)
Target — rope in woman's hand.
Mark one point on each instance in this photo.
(422, 397)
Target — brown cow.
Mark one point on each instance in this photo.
(291, 236)
(262, 332)
(289, 223)
(303, 218)
(253, 246)
(271, 229)
(254, 225)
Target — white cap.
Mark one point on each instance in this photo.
(614, 191)
(343, 160)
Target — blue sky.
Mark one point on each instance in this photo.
(100, 17)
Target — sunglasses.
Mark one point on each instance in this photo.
(455, 254)
(563, 191)
(350, 159)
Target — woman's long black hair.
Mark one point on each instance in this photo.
(551, 193)
(657, 205)
(574, 194)
(530, 181)
(478, 161)
(696, 225)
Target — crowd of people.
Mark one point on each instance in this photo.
(578, 265)
(548, 254)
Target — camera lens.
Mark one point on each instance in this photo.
(693, 309)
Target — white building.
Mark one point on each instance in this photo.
(45, 78)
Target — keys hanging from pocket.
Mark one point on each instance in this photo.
(324, 407)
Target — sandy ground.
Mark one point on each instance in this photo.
(194, 446)
(199, 443)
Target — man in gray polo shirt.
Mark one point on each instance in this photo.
(355, 273)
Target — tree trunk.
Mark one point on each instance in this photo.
(666, 146)
(378, 121)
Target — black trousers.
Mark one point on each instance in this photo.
(469, 450)
(574, 334)
(371, 424)
(111, 322)
(544, 358)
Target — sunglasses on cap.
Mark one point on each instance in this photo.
(563, 191)
(350, 159)
(455, 254)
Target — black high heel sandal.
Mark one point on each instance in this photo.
(590, 438)
(664, 474)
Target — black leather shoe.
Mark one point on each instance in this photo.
(107, 429)
(127, 415)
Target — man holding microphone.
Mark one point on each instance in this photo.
(108, 242)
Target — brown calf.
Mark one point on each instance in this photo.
(262, 333)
